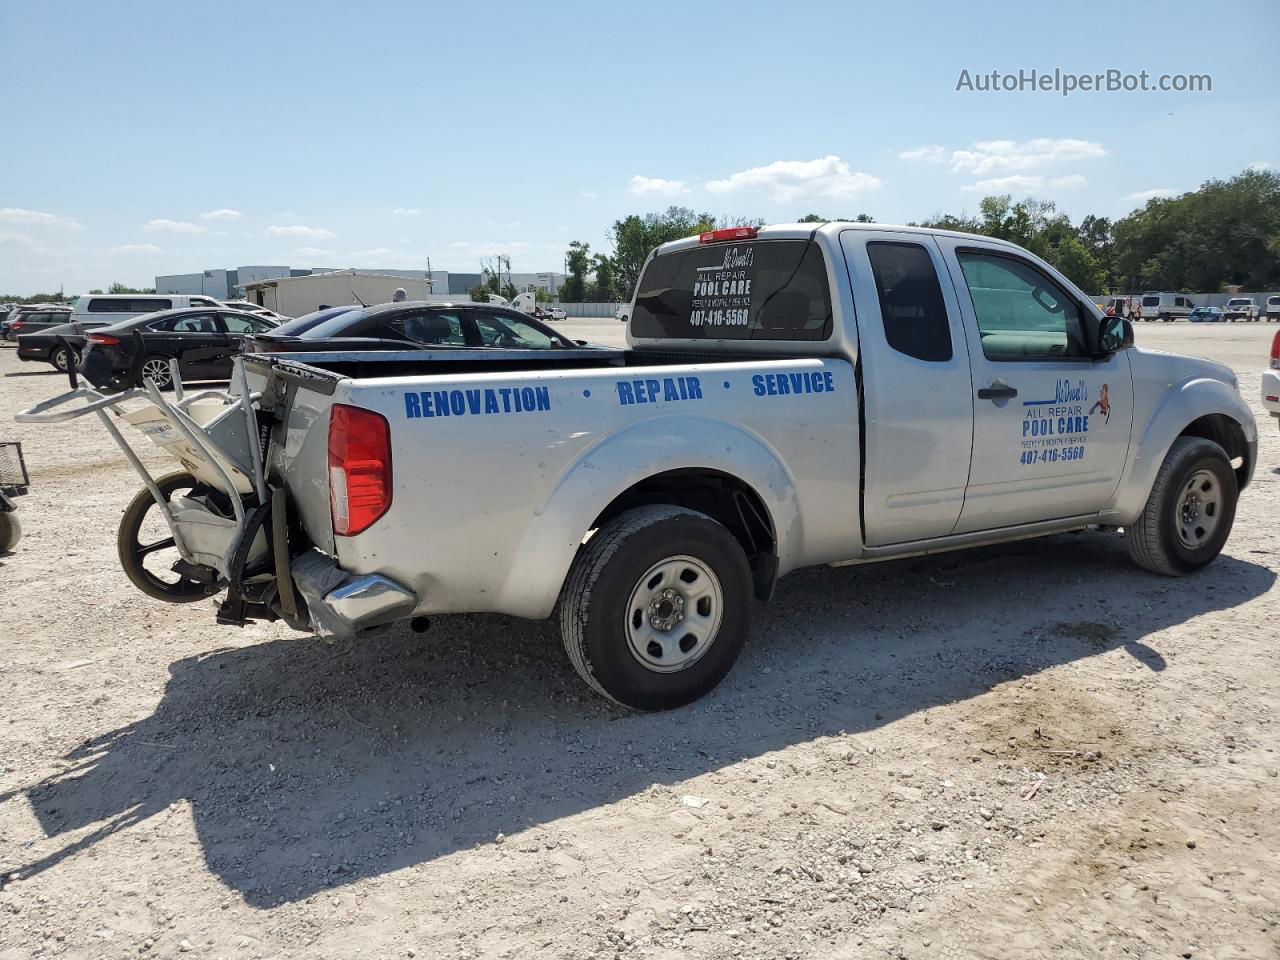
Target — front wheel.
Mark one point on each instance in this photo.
(657, 607)
(1189, 513)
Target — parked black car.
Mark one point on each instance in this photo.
(46, 347)
(204, 342)
(413, 325)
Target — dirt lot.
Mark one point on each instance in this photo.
(1034, 750)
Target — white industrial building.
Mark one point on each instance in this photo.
(294, 296)
(233, 283)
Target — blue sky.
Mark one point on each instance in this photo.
(145, 138)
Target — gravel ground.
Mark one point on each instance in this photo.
(1033, 750)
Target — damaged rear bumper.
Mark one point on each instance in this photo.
(340, 605)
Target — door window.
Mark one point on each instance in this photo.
(435, 327)
(911, 304)
(1021, 313)
(504, 330)
(236, 323)
(188, 323)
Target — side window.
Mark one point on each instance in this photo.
(911, 304)
(1022, 314)
(502, 330)
(431, 327)
(238, 323)
(193, 323)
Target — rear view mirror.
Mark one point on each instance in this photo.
(1114, 334)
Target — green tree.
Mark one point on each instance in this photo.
(1095, 234)
(634, 236)
(602, 290)
(574, 289)
(814, 218)
(118, 287)
(1221, 234)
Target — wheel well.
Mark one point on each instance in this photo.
(726, 499)
(1227, 434)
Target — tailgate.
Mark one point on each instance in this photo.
(299, 397)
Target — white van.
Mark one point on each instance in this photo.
(114, 307)
(1166, 306)
(1273, 309)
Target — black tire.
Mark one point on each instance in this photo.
(617, 565)
(177, 589)
(10, 530)
(1154, 539)
(61, 358)
(163, 380)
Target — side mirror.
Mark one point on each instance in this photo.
(1114, 334)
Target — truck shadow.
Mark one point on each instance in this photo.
(308, 767)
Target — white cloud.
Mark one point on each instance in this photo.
(171, 226)
(406, 211)
(135, 248)
(932, 153)
(297, 230)
(36, 217)
(787, 180)
(1142, 196)
(1258, 166)
(1018, 182)
(990, 156)
(222, 214)
(642, 185)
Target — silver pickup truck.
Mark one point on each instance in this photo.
(789, 396)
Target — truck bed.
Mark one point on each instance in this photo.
(363, 365)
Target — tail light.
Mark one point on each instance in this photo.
(1275, 352)
(728, 233)
(103, 339)
(359, 468)
(17, 325)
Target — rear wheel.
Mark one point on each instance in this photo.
(62, 358)
(657, 607)
(10, 530)
(1190, 511)
(157, 369)
(146, 548)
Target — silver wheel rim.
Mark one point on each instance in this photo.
(1199, 510)
(157, 370)
(60, 359)
(674, 614)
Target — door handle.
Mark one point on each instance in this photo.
(999, 390)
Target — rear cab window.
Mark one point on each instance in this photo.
(752, 290)
(911, 305)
